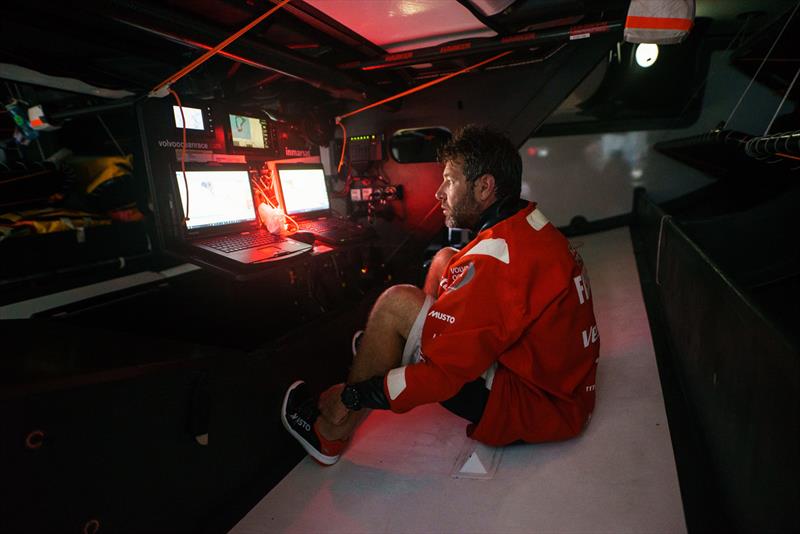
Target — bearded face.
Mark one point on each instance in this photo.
(457, 196)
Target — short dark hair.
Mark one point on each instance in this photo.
(486, 151)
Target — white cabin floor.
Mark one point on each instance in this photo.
(619, 476)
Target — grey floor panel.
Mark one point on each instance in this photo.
(619, 476)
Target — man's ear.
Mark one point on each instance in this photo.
(484, 188)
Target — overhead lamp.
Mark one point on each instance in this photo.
(646, 54)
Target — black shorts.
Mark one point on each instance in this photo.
(470, 401)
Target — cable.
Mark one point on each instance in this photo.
(382, 175)
(763, 62)
(708, 77)
(205, 57)
(111, 135)
(24, 177)
(41, 150)
(183, 154)
(288, 217)
(789, 90)
(344, 144)
(267, 192)
(664, 218)
(295, 223)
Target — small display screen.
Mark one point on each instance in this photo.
(216, 197)
(304, 190)
(246, 132)
(194, 118)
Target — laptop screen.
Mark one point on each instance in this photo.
(216, 197)
(303, 189)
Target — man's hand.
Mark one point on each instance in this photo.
(331, 407)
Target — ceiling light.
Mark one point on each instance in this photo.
(646, 54)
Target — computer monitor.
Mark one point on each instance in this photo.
(217, 196)
(249, 132)
(303, 188)
(200, 131)
(194, 118)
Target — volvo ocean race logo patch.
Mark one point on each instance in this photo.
(462, 275)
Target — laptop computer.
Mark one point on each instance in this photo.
(305, 197)
(222, 218)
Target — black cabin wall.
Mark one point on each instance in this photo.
(102, 421)
(737, 366)
(514, 100)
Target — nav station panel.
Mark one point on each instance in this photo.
(216, 133)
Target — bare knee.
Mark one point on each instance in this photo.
(400, 303)
(436, 270)
(400, 297)
(387, 329)
(443, 256)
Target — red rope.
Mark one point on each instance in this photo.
(205, 57)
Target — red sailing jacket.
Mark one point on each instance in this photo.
(517, 295)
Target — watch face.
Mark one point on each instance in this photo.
(350, 397)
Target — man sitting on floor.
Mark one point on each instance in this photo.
(504, 334)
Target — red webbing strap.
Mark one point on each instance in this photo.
(658, 23)
(205, 57)
(424, 85)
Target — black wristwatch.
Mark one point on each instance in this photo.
(351, 399)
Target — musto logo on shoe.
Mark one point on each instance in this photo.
(300, 422)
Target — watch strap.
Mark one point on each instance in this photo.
(371, 394)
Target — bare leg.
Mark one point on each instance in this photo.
(436, 270)
(381, 349)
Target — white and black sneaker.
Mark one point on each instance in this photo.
(299, 415)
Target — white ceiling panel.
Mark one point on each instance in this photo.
(398, 25)
(492, 7)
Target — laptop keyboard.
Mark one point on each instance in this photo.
(335, 231)
(232, 243)
(326, 225)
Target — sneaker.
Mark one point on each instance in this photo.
(299, 416)
(356, 341)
